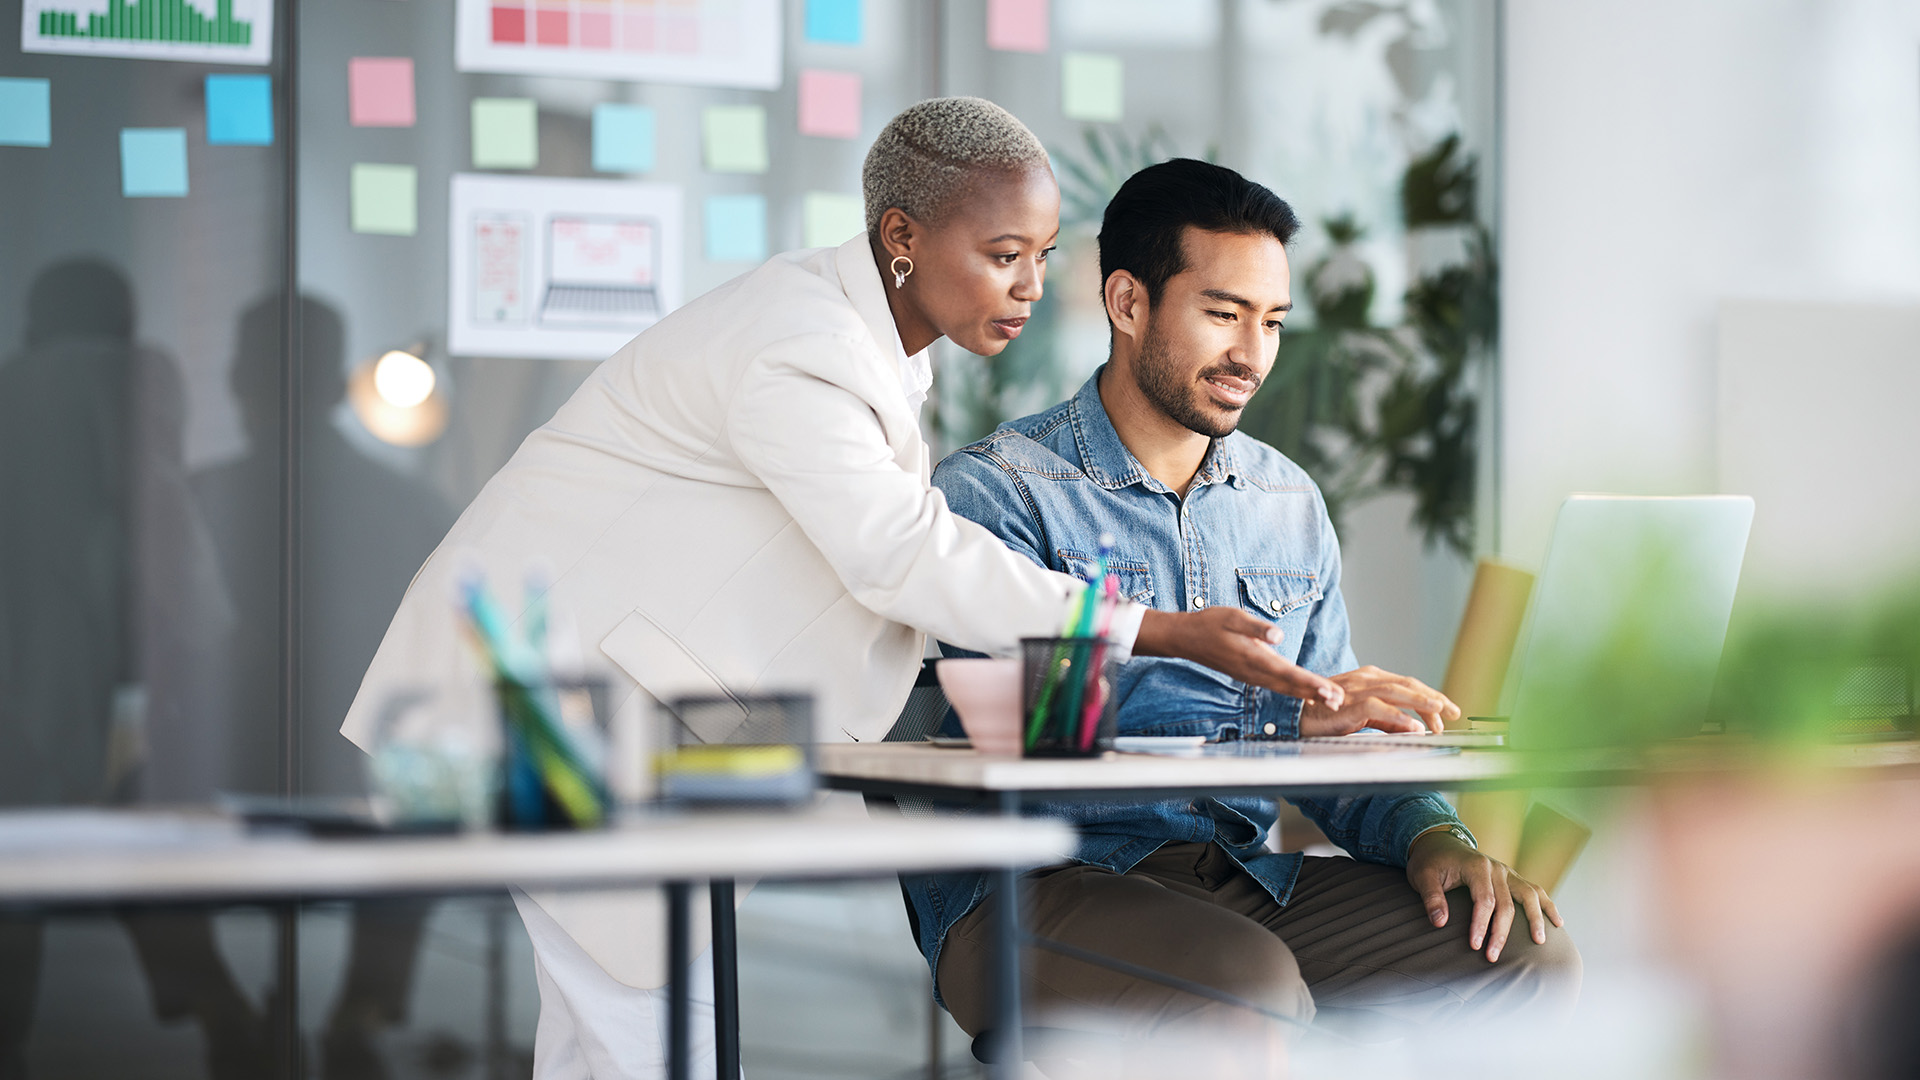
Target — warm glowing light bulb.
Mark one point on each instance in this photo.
(403, 379)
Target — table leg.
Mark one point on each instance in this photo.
(283, 1019)
(726, 980)
(679, 931)
(1009, 1053)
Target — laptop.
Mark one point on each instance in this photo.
(1623, 637)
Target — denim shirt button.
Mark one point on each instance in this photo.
(1271, 729)
(1199, 602)
(1277, 604)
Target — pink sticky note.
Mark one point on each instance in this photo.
(380, 91)
(830, 104)
(1017, 25)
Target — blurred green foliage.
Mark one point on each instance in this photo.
(1369, 409)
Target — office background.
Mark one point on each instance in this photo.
(1704, 236)
(248, 583)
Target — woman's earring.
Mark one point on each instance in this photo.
(899, 275)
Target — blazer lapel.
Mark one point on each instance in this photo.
(861, 281)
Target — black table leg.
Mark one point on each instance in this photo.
(726, 980)
(1009, 1054)
(679, 1030)
(283, 1020)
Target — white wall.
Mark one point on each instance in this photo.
(1664, 155)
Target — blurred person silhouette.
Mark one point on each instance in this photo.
(99, 554)
(365, 530)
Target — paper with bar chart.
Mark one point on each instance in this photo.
(202, 31)
(693, 42)
(558, 269)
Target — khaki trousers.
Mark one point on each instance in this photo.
(1352, 945)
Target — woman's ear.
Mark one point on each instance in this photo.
(1126, 303)
(898, 232)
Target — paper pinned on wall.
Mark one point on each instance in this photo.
(829, 219)
(1017, 25)
(736, 228)
(735, 138)
(559, 269)
(1092, 87)
(506, 133)
(26, 112)
(830, 103)
(835, 22)
(384, 199)
(153, 162)
(239, 110)
(380, 91)
(196, 31)
(623, 138)
(685, 42)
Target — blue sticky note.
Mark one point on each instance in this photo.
(834, 21)
(26, 112)
(240, 110)
(622, 138)
(153, 162)
(736, 228)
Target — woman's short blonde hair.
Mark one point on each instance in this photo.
(929, 155)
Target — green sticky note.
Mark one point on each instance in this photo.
(1091, 86)
(830, 219)
(385, 199)
(506, 133)
(735, 137)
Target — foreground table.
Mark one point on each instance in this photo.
(1279, 770)
(63, 860)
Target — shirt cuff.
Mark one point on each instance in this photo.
(1417, 814)
(1275, 715)
(1125, 629)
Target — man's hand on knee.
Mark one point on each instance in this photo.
(1438, 861)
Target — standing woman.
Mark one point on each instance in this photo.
(738, 500)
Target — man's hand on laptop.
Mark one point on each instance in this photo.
(1236, 643)
(1379, 699)
(1439, 861)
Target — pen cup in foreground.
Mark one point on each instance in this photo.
(1066, 702)
(986, 694)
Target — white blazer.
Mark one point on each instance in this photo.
(735, 502)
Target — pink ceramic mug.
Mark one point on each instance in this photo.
(986, 694)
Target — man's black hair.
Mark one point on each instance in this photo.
(1143, 224)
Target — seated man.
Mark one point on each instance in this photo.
(1196, 285)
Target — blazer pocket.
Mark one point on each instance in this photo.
(667, 670)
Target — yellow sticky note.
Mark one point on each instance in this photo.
(735, 137)
(1091, 87)
(384, 199)
(506, 133)
(830, 219)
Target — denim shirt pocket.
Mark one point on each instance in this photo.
(1136, 580)
(1276, 592)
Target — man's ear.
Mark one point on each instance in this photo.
(898, 232)
(1127, 303)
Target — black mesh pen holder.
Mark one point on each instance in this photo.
(766, 760)
(1066, 698)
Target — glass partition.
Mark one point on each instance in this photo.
(217, 219)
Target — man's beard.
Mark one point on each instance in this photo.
(1157, 376)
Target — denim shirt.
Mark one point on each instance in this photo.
(1252, 531)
